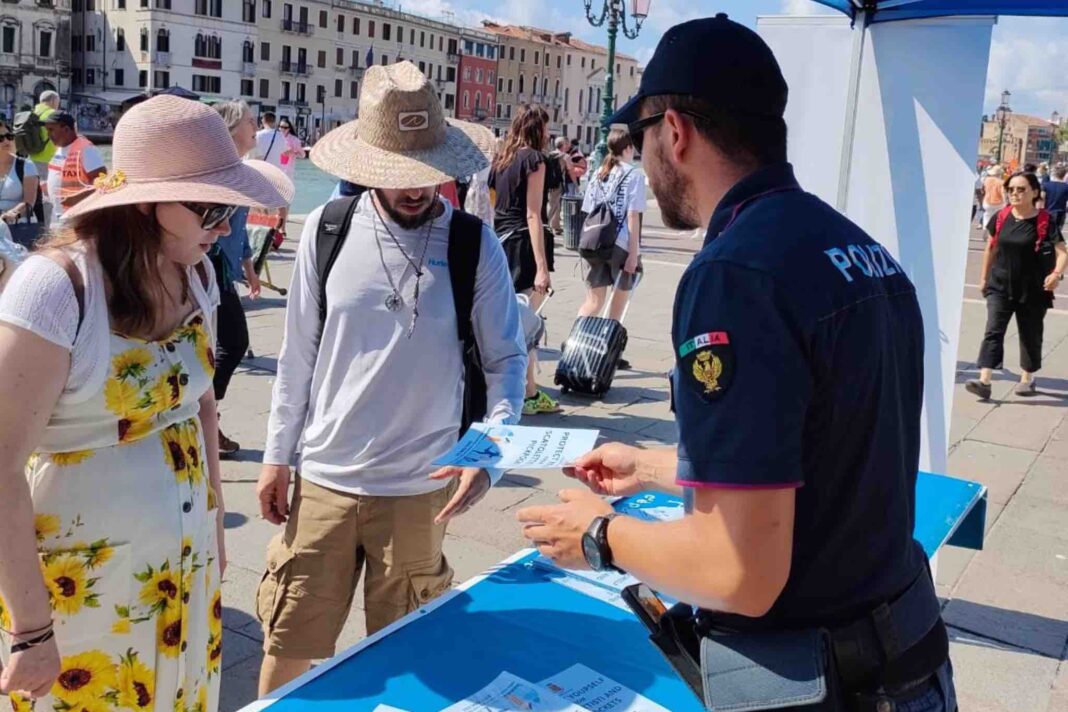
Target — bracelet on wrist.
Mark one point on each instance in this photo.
(33, 643)
(28, 633)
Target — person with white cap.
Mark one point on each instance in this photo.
(372, 376)
(109, 461)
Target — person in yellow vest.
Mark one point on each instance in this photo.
(75, 165)
(46, 106)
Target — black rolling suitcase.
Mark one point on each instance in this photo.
(591, 354)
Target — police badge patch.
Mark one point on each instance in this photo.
(707, 364)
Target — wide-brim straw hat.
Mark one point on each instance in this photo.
(169, 149)
(402, 138)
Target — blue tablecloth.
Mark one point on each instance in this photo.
(517, 619)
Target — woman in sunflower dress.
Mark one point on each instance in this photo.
(111, 518)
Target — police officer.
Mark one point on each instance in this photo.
(797, 391)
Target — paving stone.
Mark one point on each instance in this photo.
(239, 685)
(1000, 468)
(1048, 479)
(991, 677)
(1058, 444)
(237, 648)
(1058, 701)
(1028, 427)
(1004, 603)
(952, 562)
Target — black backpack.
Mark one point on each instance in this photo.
(27, 129)
(554, 173)
(465, 249)
(601, 225)
(38, 204)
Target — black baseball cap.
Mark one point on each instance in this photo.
(717, 60)
(61, 117)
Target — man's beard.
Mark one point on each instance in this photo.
(673, 196)
(404, 220)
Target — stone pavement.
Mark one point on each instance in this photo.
(1007, 605)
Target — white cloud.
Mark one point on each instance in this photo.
(1025, 59)
(803, 7)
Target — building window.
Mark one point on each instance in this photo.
(44, 43)
(500, 110)
(632, 70)
(557, 92)
(569, 60)
(387, 31)
(90, 77)
(450, 74)
(120, 77)
(340, 23)
(324, 19)
(247, 87)
(559, 59)
(478, 100)
(511, 54)
(450, 102)
(266, 9)
(120, 40)
(163, 41)
(339, 87)
(90, 40)
(583, 62)
(355, 25)
(422, 39)
(161, 79)
(285, 91)
(120, 4)
(207, 47)
(400, 35)
(302, 95)
(248, 52)
(355, 58)
(522, 56)
(76, 43)
(248, 13)
(322, 59)
(478, 76)
(208, 7)
(522, 84)
(144, 39)
(537, 56)
(142, 78)
(467, 74)
(411, 38)
(265, 51)
(467, 99)
(441, 43)
(265, 88)
(593, 63)
(385, 59)
(500, 84)
(371, 29)
(545, 87)
(207, 83)
(160, 4)
(567, 98)
(354, 90)
(339, 58)
(510, 86)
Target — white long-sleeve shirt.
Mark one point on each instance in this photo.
(369, 408)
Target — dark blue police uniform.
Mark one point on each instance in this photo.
(799, 347)
(799, 344)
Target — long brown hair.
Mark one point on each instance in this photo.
(128, 244)
(527, 131)
(619, 140)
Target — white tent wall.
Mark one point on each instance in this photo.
(911, 169)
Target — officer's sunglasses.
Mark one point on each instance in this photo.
(212, 215)
(637, 128)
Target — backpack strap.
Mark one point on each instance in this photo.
(1043, 228)
(465, 250)
(202, 272)
(77, 282)
(1003, 215)
(333, 229)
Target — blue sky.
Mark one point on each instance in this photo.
(1028, 56)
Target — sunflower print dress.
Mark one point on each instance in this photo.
(126, 534)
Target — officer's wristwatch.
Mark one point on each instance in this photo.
(595, 547)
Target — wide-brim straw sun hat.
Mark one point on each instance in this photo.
(402, 138)
(169, 149)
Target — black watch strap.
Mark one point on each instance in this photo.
(608, 562)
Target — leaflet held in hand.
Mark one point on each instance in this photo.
(517, 447)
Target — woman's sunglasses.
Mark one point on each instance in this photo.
(284, 126)
(7, 137)
(1017, 190)
(212, 215)
(637, 128)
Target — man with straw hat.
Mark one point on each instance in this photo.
(371, 382)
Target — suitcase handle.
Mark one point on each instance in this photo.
(608, 300)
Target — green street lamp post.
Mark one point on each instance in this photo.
(614, 12)
(1002, 115)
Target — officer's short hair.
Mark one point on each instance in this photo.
(1060, 172)
(268, 117)
(745, 138)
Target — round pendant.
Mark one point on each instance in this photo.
(394, 302)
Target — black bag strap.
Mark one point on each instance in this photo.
(269, 147)
(465, 250)
(333, 229)
(38, 206)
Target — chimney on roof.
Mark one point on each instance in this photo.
(562, 36)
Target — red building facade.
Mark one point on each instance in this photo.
(476, 85)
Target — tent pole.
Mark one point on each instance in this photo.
(849, 133)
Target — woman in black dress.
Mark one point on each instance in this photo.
(518, 177)
(1024, 261)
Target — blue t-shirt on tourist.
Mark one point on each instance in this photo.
(235, 247)
(1056, 196)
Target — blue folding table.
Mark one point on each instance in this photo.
(517, 618)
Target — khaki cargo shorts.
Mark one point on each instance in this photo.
(330, 538)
